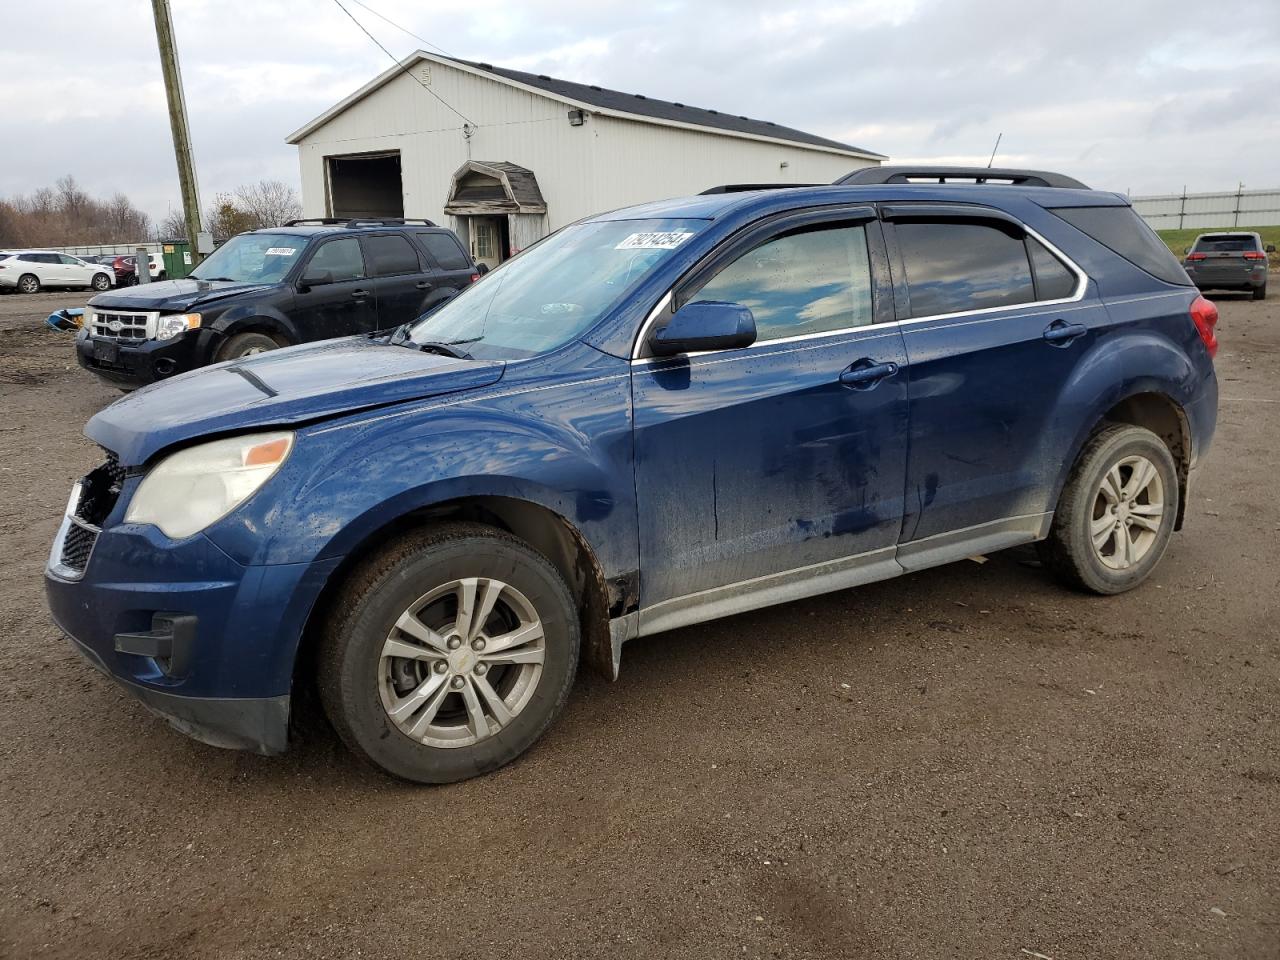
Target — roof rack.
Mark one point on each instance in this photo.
(357, 222)
(744, 187)
(976, 175)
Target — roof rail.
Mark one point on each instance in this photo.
(357, 222)
(744, 187)
(977, 175)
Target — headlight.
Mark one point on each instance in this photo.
(171, 326)
(193, 488)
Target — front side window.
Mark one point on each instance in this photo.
(253, 258)
(954, 266)
(555, 290)
(391, 256)
(807, 282)
(340, 258)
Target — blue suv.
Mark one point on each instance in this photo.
(652, 418)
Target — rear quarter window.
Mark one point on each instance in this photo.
(445, 250)
(1123, 232)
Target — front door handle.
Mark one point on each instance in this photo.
(425, 285)
(1060, 333)
(866, 373)
(359, 294)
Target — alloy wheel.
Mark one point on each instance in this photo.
(1128, 510)
(461, 662)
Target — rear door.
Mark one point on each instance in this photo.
(995, 322)
(342, 306)
(401, 278)
(775, 469)
(452, 267)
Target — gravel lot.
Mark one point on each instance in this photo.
(968, 762)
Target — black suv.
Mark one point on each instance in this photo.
(308, 280)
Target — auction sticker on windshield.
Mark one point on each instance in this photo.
(654, 241)
(281, 252)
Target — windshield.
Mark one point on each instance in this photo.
(554, 291)
(252, 258)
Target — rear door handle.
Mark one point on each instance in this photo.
(866, 373)
(425, 285)
(1061, 333)
(359, 294)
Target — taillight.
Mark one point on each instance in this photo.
(1205, 316)
(1195, 256)
(1254, 255)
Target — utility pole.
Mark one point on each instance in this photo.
(178, 122)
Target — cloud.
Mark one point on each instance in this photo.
(1133, 95)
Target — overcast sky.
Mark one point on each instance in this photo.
(1140, 95)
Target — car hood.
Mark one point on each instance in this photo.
(290, 386)
(172, 296)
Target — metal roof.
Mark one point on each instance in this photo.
(600, 99)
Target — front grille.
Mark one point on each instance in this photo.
(99, 491)
(123, 326)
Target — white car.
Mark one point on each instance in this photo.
(28, 271)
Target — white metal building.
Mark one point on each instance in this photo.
(504, 157)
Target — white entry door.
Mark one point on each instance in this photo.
(486, 241)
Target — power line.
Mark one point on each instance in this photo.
(415, 36)
(404, 67)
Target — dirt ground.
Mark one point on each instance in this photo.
(969, 762)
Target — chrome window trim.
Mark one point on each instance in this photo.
(1082, 286)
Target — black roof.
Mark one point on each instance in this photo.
(641, 105)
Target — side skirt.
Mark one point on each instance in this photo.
(820, 578)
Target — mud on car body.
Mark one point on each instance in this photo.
(652, 418)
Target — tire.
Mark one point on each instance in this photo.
(1260, 293)
(28, 283)
(1085, 507)
(246, 345)
(101, 282)
(421, 579)
(133, 280)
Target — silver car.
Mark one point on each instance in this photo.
(1229, 261)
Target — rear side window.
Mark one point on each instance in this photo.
(445, 250)
(954, 266)
(1054, 281)
(1122, 231)
(342, 258)
(1226, 244)
(391, 255)
(800, 283)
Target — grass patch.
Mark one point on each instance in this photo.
(1179, 240)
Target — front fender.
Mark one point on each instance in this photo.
(264, 317)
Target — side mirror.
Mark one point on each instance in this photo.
(1271, 248)
(1186, 249)
(705, 325)
(316, 278)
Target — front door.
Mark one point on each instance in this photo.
(775, 471)
(995, 324)
(341, 305)
(486, 241)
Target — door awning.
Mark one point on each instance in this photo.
(493, 187)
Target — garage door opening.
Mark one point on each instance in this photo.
(366, 185)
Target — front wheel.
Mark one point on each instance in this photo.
(101, 282)
(246, 345)
(449, 654)
(1117, 512)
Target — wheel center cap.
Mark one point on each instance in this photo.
(462, 660)
(1122, 511)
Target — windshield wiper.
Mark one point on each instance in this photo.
(212, 279)
(446, 349)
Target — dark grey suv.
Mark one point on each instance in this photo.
(1229, 261)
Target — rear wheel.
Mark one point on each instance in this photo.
(449, 653)
(29, 283)
(246, 345)
(1260, 293)
(1117, 512)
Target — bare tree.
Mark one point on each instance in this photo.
(67, 215)
(173, 226)
(269, 203)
